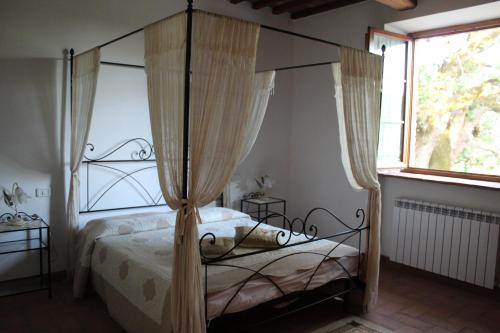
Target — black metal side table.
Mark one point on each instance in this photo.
(262, 208)
(34, 229)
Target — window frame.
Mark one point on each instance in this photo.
(402, 163)
(408, 110)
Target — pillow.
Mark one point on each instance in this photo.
(218, 214)
(260, 238)
(222, 246)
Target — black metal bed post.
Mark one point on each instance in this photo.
(71, 60)
(382, 77)
(187, 92)
(185, 141)
(71, 56)
(378, 138)
(49, 261)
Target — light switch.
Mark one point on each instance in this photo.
(42, 192)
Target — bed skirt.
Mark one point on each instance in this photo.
(130, 317)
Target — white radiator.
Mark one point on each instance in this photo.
(456, 242)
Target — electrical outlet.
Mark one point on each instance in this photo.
(42, 192)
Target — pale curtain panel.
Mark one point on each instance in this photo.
(358, 83)
(263, 87)
(85, 73)
(165, 52)
(223, 71)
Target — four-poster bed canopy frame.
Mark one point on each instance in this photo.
(187, 72)
(302, 225)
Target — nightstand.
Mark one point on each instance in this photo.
(259, 208)
(36, 238)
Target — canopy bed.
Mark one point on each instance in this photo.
(209, 263)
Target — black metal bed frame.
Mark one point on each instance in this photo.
(295, 227)
(187, 86)
(143, 152)
(310, 231)
(187, 73)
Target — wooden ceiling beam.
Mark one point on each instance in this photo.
(291, 6)
(265, 3)
(323, 8)
(399, 4)
(296, 5)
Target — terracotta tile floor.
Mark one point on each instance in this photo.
(407, 303)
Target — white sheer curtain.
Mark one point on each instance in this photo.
(223, 71)
(263, 87)
(358, 83)
(85, 73)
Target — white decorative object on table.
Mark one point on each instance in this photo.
(13, 198)
(264, 182)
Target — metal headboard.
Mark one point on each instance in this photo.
(140, 151)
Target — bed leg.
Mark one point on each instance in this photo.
(346, 297)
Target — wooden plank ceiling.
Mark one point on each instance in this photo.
(302, 8)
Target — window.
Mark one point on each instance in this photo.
(392, 122)
(449, 114)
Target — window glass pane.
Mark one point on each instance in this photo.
(457, 102)
(390, 135)
(393, 98)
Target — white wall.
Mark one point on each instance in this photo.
(33, 28)
(121, 112)
(316, 174)
(270, 154)
(31, 148)
(34, 110)
(298, 144)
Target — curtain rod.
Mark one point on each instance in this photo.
(120, 38)
(275, 69)
(291, 33)
(287, 32)
(324, 41)
(121, 64)
(306, 65)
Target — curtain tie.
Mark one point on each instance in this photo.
(187, 209)
(75, 178)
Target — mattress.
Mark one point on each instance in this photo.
(132, 270)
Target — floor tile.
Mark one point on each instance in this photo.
(407, 304)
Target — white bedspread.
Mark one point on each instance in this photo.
(134, 254)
